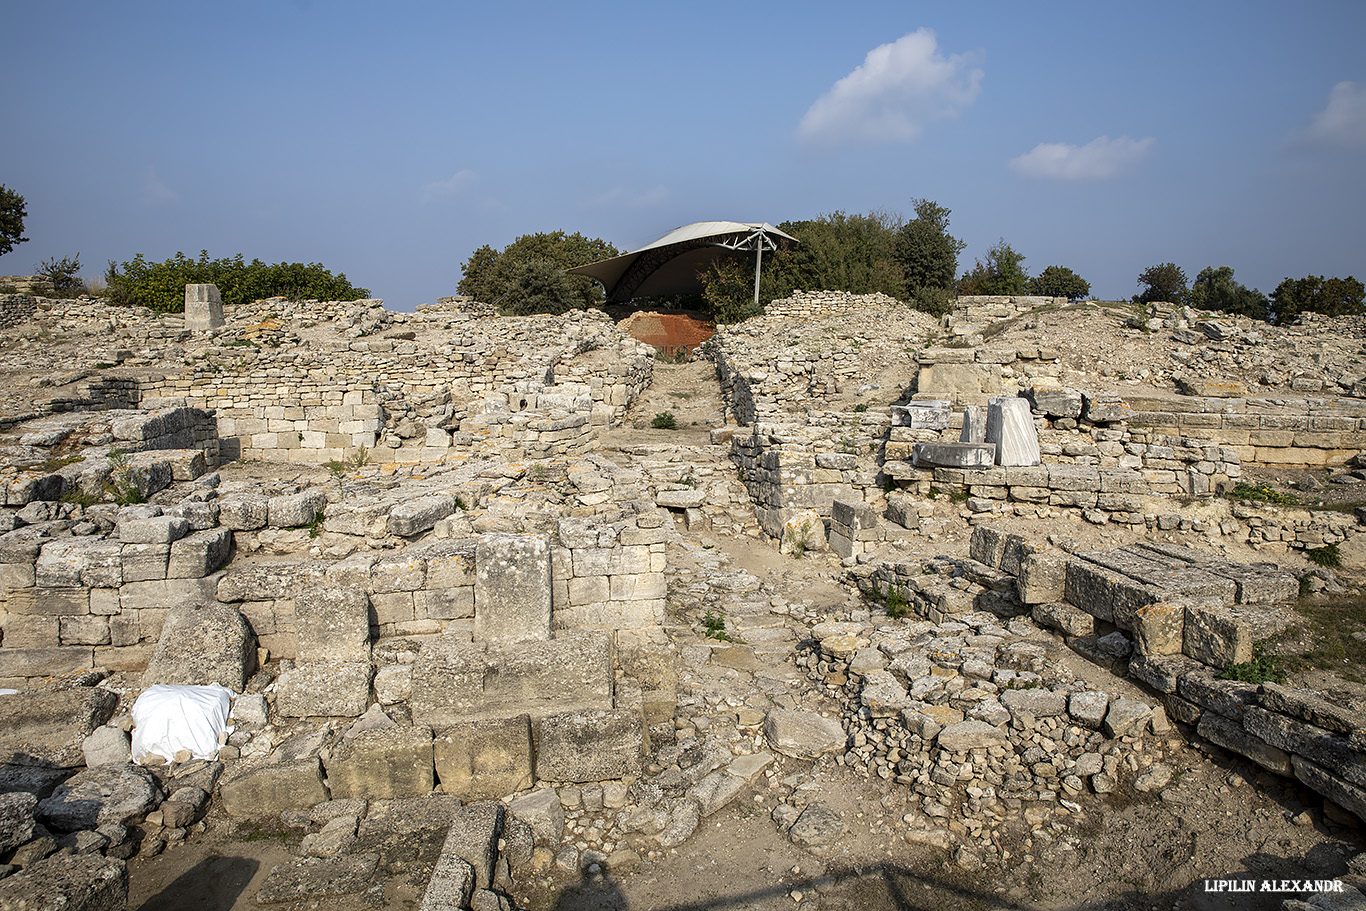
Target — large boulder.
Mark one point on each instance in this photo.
(65, 882)
(202, 645)
(106, 794)
(48, 729)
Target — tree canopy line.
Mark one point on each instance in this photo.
(914, 260)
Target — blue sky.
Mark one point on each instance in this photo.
(390, 140)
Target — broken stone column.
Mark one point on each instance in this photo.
(512, 588)
(974, 425)
(1010, 425)
(203, 308)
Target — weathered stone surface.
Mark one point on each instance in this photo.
(1037, 702)
(803, 531)
(1221, 635)
(107, 745)
(1126, 716)
(91, 562)
(451, 885)
(1229, 698)
(971, 735)
(1159, 628)
(48, 728)
(974, 425)
(334, 689)
(202, 645)
(1011, 428)
(512, 588)
(295, 510)
(1088, 707)
(382, 763)
(154, 530)
(473, 837)
(267, 790)
(203, 308)
(716, 791)
(454, 681)
(482, 760)
(953, 455)
(803, 735)
(81, 882)
(310, 878)
(1232, 736)
(117, 794)
(412, 517)
(243, 511)
(1063, 617)
(589, 745)
(542, 811)
(1311, 706)
(1055, 401)
(199, 554)
(331, 623)
(1341, 792)
(1042, 577)
(818, 824)
(16, 819)
(1161, 672)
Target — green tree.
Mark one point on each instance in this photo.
(517, 279)
(1060, 281)
(1001, 272)
(1315, 294)
(161, 286)
(926, 252)
(837, 252)
(1215, 289)
(12, 214)
(1164, 282)
(64, 275)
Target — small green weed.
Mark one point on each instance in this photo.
(715, 625)
(860, 408)
(1328, 556)
(896, 604)
(1262, 668)
(315, 527)
(1260, 493)
(959, 496)
(664, 421)
(103, 365)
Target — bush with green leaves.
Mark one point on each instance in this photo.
(161, 286)
(1316, 294)
(1060, 281)
(527, 276)
(64, 275)
(665, 420)
(1165, 282)
(1215, 289)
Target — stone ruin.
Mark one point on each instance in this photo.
(473, 632)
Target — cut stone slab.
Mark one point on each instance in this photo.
(803, 735)
(1126, 716)
(804, 531)
(203, 308)
(94, 797)
(953, 455)
(107, 745)
(16, 819)
(1011, 427)
(154, 530)
(455, 682)
(331, 689)
(1222, 635)
(202, 645)
(971, 735)
(590, 746)
(267, 790)
(382, 763)
(66, 882)
(817, 825)
(413, 517)
(542, 811)
(1055, 401)
(331, 623)
(512, 588)
(473, 837)
(312, 877)
(974, 425)
(926, 414)
(48, 728)
(295, 510)
(1231, 736)
(1037, 702)
(483, 760)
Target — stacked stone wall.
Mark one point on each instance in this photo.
(15, 308)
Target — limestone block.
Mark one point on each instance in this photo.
(1125, 716)
(1042, 577)
(91, 562)
(84, 630)
(455, 681)
(1341, 792)
(1011, 428)
(202, 645)
(105, 794)
(161, 594)
(153, 530)
(512, 589)
(49, 602)
(485, 760)
(953, 455)
(44, 662)
(295, 510)
(331, 624)
(974, 425)
(16, 819)
(1055, 401)
(1232, 736)
(405, 573)
(1159, 628)
(88, 882)
(444, 604)
(681, 498)
(1229, 698)
(203, 308)
(589, 745)
(1161, 672)
(987, 545)
(1311, 706)
(265, 791)
(412, 517)
(48, 728)
(1037, 702)
(971, 735)
(243, 511)
(199, 554)
(382, 763)
(803, 735)
(333, 689)
(928, 414)
(1221, 635)
(144, 562)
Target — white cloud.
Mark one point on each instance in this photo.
(451, 185)
(894, 93)
(154, 192)
(620, 196)
(1343, 121)
(1099, 159)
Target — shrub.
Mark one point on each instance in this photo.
(664, 421)
(1260, 493)
(715, 625)
(161, 286)
(1328, 556)
(63, 275)
(1264, 667)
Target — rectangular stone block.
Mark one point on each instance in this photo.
(1159, 628)
(49, 602)
(1011, 427)
(167, 593)
(393, 607)
(512, 589)
(1162, 672)
(91, 562)
(404, 574)
(45, 662)
(1063, 617)
(590, 745)
(30, 631)
(382, 764)
(1042, 577)
(444, 603)
(332, 624)
(1231, 736)
(1104, 594)
(953, 455)
(264, 791)
(332, 689)
(1343, 793)
(1221, 635)
(199, 554)
(84, 630)
(485, 760)
(1229, 698)
(1324, 748)
(455, 682)
(144, 562)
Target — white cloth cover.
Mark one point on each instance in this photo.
(168, 718)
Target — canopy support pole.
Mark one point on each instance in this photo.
(758, 260)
